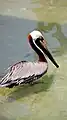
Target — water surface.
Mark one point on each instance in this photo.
(48, 99)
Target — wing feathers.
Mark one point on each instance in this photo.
(23, 72)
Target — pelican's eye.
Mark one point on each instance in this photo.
(40, 38)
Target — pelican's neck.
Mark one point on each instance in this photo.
(42, 58)
(38, 51)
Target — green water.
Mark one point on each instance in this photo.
(48, 99)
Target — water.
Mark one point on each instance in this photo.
(46, 100)
(13, 40)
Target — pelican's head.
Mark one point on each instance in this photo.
(39, 44)
(36, 34)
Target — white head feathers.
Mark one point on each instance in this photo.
(36, 34)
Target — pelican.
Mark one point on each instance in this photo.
(24, 72)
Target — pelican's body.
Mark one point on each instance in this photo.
(28, 72)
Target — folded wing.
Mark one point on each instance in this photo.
(23, 72)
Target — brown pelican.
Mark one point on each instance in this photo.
(28, 72)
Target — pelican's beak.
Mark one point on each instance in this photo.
(46, 51)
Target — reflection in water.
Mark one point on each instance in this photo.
(50, 23)
(13, 109)
(52, 27)
(58, 34)
(24, 91)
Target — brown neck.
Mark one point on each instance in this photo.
(42, 58)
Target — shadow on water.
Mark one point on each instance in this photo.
(26, 90)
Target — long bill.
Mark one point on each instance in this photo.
(46, 51)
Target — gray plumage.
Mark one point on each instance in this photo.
(23, 72)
